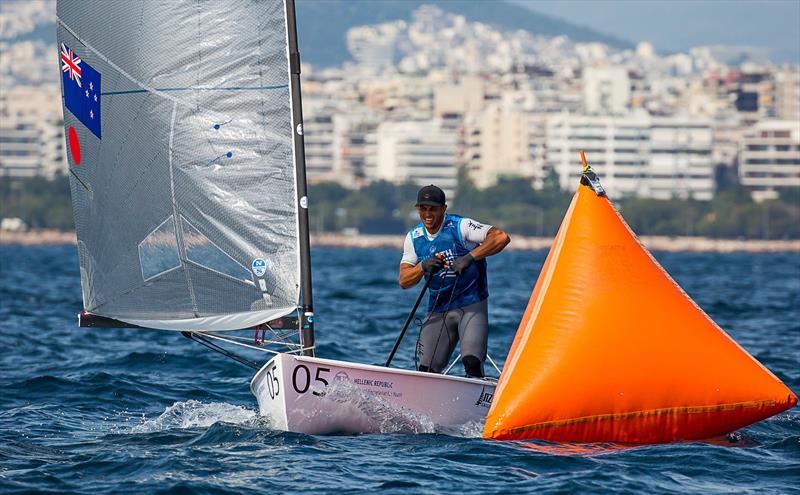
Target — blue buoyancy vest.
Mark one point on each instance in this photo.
(470, 287)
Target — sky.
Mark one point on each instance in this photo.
(677, 25)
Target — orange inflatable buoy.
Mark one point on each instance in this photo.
(610, 348)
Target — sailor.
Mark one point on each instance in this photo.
(451, 251)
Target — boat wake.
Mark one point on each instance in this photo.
(196, 414)
(385, 416)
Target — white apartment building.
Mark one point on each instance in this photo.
(422, 152)
(354, 140)
(496, 142)
(465, 97)
(552, 92)
(769, 157)
(537, 147)
(319, 137)
(728, 135)
(335, 138)
(606, 90)
(635, 155)
(787, 93)
(373, 47)
(31, 133)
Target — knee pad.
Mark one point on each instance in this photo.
(473, 366)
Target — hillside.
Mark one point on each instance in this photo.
(322, 24)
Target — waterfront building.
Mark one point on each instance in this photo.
(606, 90)
(555, 92)
(755, 92)
(31, 133)
(498, 145)
(728, 135)
(422, 152)
(681, 162)
(354, 140)
(787, 93)
(318, 137)
(336, 142)
(465, 97)
(635, 155)
(769, 158)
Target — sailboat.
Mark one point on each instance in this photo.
(186, 158)
(187, 172)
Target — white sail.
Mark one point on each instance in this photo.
(179, 123)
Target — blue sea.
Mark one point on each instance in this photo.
(137, 411)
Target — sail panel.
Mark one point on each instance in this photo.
(184, 196)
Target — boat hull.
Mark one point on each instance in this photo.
(322, 396)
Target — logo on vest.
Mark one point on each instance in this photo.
(449, 258)
(417, 233)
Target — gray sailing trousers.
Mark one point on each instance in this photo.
(439, 336)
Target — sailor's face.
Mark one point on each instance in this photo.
(431, 216)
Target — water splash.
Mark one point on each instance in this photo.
(383, 415)
(196, 414)
(472, 429)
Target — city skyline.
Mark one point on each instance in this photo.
(425, 97)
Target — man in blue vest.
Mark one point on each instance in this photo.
(451, 251)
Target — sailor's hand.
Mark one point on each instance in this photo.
(462, 263)
(432, 265)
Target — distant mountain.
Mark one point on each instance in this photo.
(322, 24)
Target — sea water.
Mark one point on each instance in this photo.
(135, 411)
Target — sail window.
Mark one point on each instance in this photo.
(158, 252)
(201, 251)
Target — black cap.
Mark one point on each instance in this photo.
(430, 195)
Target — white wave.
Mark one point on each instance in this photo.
(473, 429)
(380, 414)
(195, 414)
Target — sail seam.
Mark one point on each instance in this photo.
(176, 216)
(159, 91)
(196, 88)
(115, 66)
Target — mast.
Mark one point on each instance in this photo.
(307, 320)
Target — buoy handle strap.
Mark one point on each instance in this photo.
(589, 177)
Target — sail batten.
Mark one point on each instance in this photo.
(184, 195)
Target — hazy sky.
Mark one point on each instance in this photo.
(673, 25)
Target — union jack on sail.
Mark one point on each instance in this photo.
(71, 64)
(83, 101)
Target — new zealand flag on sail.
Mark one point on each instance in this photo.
(81, 89)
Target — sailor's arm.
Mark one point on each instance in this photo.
(410, 267)
(496, 240)
(410, 275)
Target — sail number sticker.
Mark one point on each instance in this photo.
(301, 379)
(273, 384)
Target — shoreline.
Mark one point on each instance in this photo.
(655, 243)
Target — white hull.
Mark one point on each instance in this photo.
(323, 396)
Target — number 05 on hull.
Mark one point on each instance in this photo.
(322, 396)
